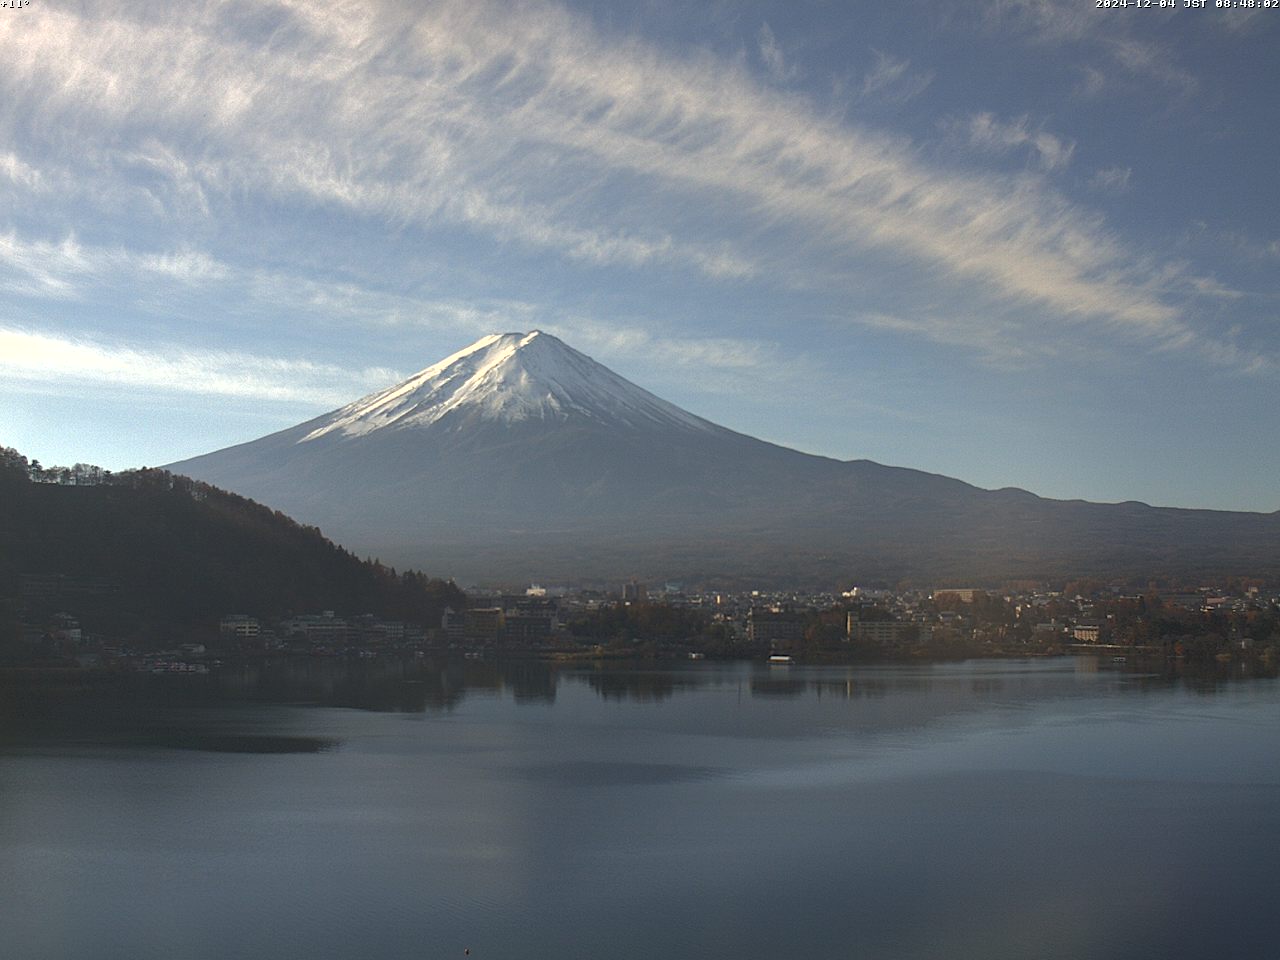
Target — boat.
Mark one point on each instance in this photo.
(780, 658)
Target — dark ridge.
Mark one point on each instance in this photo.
(147, 553)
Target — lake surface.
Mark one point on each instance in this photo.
(1049, 808)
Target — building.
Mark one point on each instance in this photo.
(484, 623)
(64, 627)
(325, 629)
(453, 624)
(240, 628)
(375, 633)
(1048, 629)
(530, 619)
(779, 625)
(884, 633)
(529, 626)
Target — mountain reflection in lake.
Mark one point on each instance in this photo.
(335, 809)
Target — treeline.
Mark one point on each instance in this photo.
(141, 552)
(79, 475)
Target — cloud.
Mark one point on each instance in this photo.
(718, 353)
(522, 125)
(351, 304)
(1044, 21)
(1226, 353)
(673, 363)
(69, 270)
(1111, 179)
(1146, 59)
(774, 60)
(1003, 342)
(1209, 287)
(889, 80)
(1249, 247)
(1103, 34)
(1092, 82)
(1241, 21)
(17, 171)
(55, 361)
(998, 343)
(1242, 247)
(65, 270)
(986, 132)
(40, 269)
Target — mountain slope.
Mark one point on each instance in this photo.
(510, 378)
(521, 457)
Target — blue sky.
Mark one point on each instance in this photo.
(1019, 242)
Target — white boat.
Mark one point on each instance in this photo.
(780, 658)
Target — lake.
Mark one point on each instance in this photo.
(1046, 808)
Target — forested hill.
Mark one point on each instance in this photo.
(140, 552)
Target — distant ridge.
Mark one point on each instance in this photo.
(520, 457)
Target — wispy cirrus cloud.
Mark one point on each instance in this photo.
(1106, 37)
(998, 343)
(1209, 287)
(632, 340)
(1042, 20)
(775, 60)
(69, 270)
(1149, 60)
(74, 271)
(64, 269)
(16, 170)
(664, 359)
(891, 80)
(33, 357)
(1111, 179)
(61, 361)
(524, 125)
(985, 131)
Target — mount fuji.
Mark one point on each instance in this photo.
(520, 457)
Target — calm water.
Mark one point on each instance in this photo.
(997, 809)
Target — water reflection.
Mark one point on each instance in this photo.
(642, 686)
(774, 687)
(530, 681)
(732, 811)
(157, 710)
(196, 739)
(604, 773)
(420, 686)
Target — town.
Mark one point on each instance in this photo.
(1238, 620)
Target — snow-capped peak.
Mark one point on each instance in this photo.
(510, 377)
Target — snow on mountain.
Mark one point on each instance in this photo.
(520, 458)
(508, 378)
